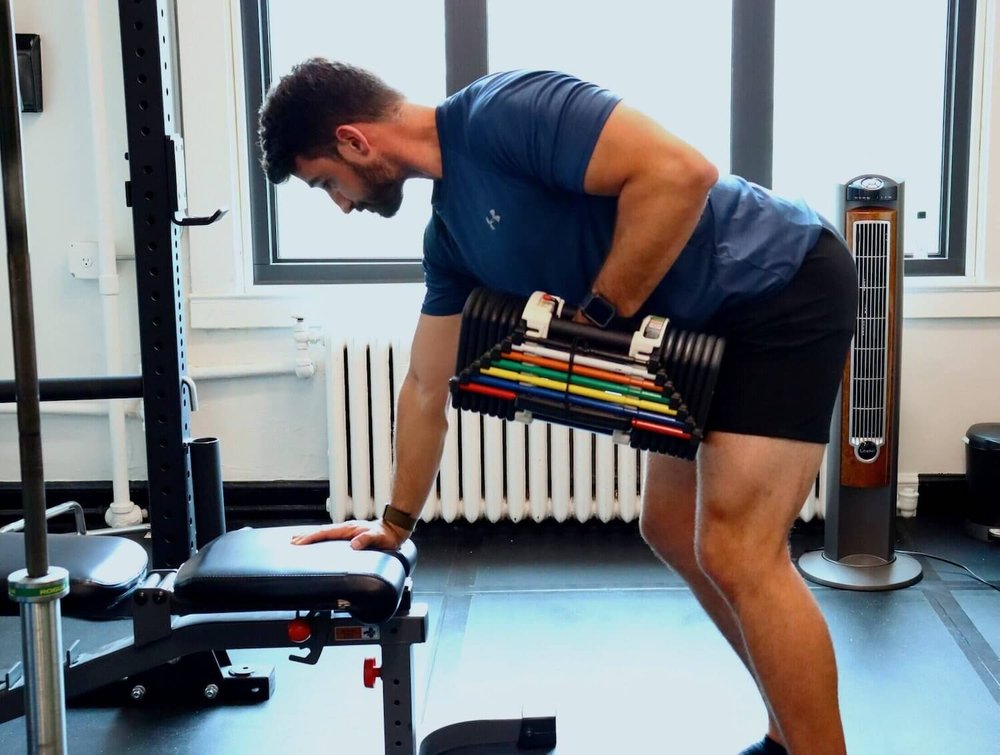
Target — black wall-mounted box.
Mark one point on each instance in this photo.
(29, 72)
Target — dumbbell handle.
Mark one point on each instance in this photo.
(563, 328)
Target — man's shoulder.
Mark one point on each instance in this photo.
(502, 80)
(494, 101)
(503, 84)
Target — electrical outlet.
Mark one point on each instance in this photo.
(83, 259)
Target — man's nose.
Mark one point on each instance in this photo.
(345, 204)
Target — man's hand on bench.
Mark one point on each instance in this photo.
(378, 535)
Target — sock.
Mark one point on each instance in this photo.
(766, 746)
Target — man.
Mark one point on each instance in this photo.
(546, 182)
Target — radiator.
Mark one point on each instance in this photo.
(490, 469)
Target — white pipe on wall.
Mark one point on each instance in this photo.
(260, 369)
(122, 512)
(303, 367)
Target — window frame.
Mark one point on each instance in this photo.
(751, 113)
(956, 153)
(465, 61)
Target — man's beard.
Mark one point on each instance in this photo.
(385, 191)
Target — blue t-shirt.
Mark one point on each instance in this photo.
(510, 211)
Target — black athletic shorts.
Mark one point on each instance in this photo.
(785, 353)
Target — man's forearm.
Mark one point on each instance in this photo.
(654, 223)
(421, 425)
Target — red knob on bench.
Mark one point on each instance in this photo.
(372, 672)
(299, 630)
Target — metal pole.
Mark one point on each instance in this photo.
(38, 588)
(209, 504)
(25, 367)
(78, 389)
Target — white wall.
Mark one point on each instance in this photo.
(274, 428)
(951, 370)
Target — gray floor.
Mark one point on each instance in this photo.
(584, 619)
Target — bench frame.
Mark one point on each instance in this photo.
(161, 637)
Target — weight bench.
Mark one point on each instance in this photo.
(250, 588)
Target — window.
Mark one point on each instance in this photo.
(299, 234)
(883, 89)
(675, 66)
(849, 80)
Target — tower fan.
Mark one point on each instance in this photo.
(862, 459)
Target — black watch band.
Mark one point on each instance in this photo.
(401, 519)
(598, 310)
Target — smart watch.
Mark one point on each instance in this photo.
(399, 518)
(597, 309)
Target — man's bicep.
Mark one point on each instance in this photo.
(434, 349)
(632, 143)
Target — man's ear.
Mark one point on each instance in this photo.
(351, 142)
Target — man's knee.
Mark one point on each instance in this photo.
(718, 557)
(730, 552)
(666, 521)
(736, 555)
(671, 538)
(652, 530)
(650, 527)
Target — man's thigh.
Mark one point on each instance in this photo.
(755, 483)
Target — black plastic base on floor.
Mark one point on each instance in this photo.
(987, 533)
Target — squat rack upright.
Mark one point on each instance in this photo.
(156, 192)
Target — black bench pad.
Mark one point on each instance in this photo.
(103, 571)
(260, 570)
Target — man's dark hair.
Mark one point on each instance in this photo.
(302, 110)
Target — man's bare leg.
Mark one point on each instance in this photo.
(750, 490)
(667, 525)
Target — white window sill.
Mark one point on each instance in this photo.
(930, 302)
(358, 309)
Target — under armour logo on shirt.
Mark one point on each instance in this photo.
(492, 220)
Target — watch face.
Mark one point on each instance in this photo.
(598, 309)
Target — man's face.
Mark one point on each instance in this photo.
(372, 186)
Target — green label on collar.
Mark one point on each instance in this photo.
(31, 593)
